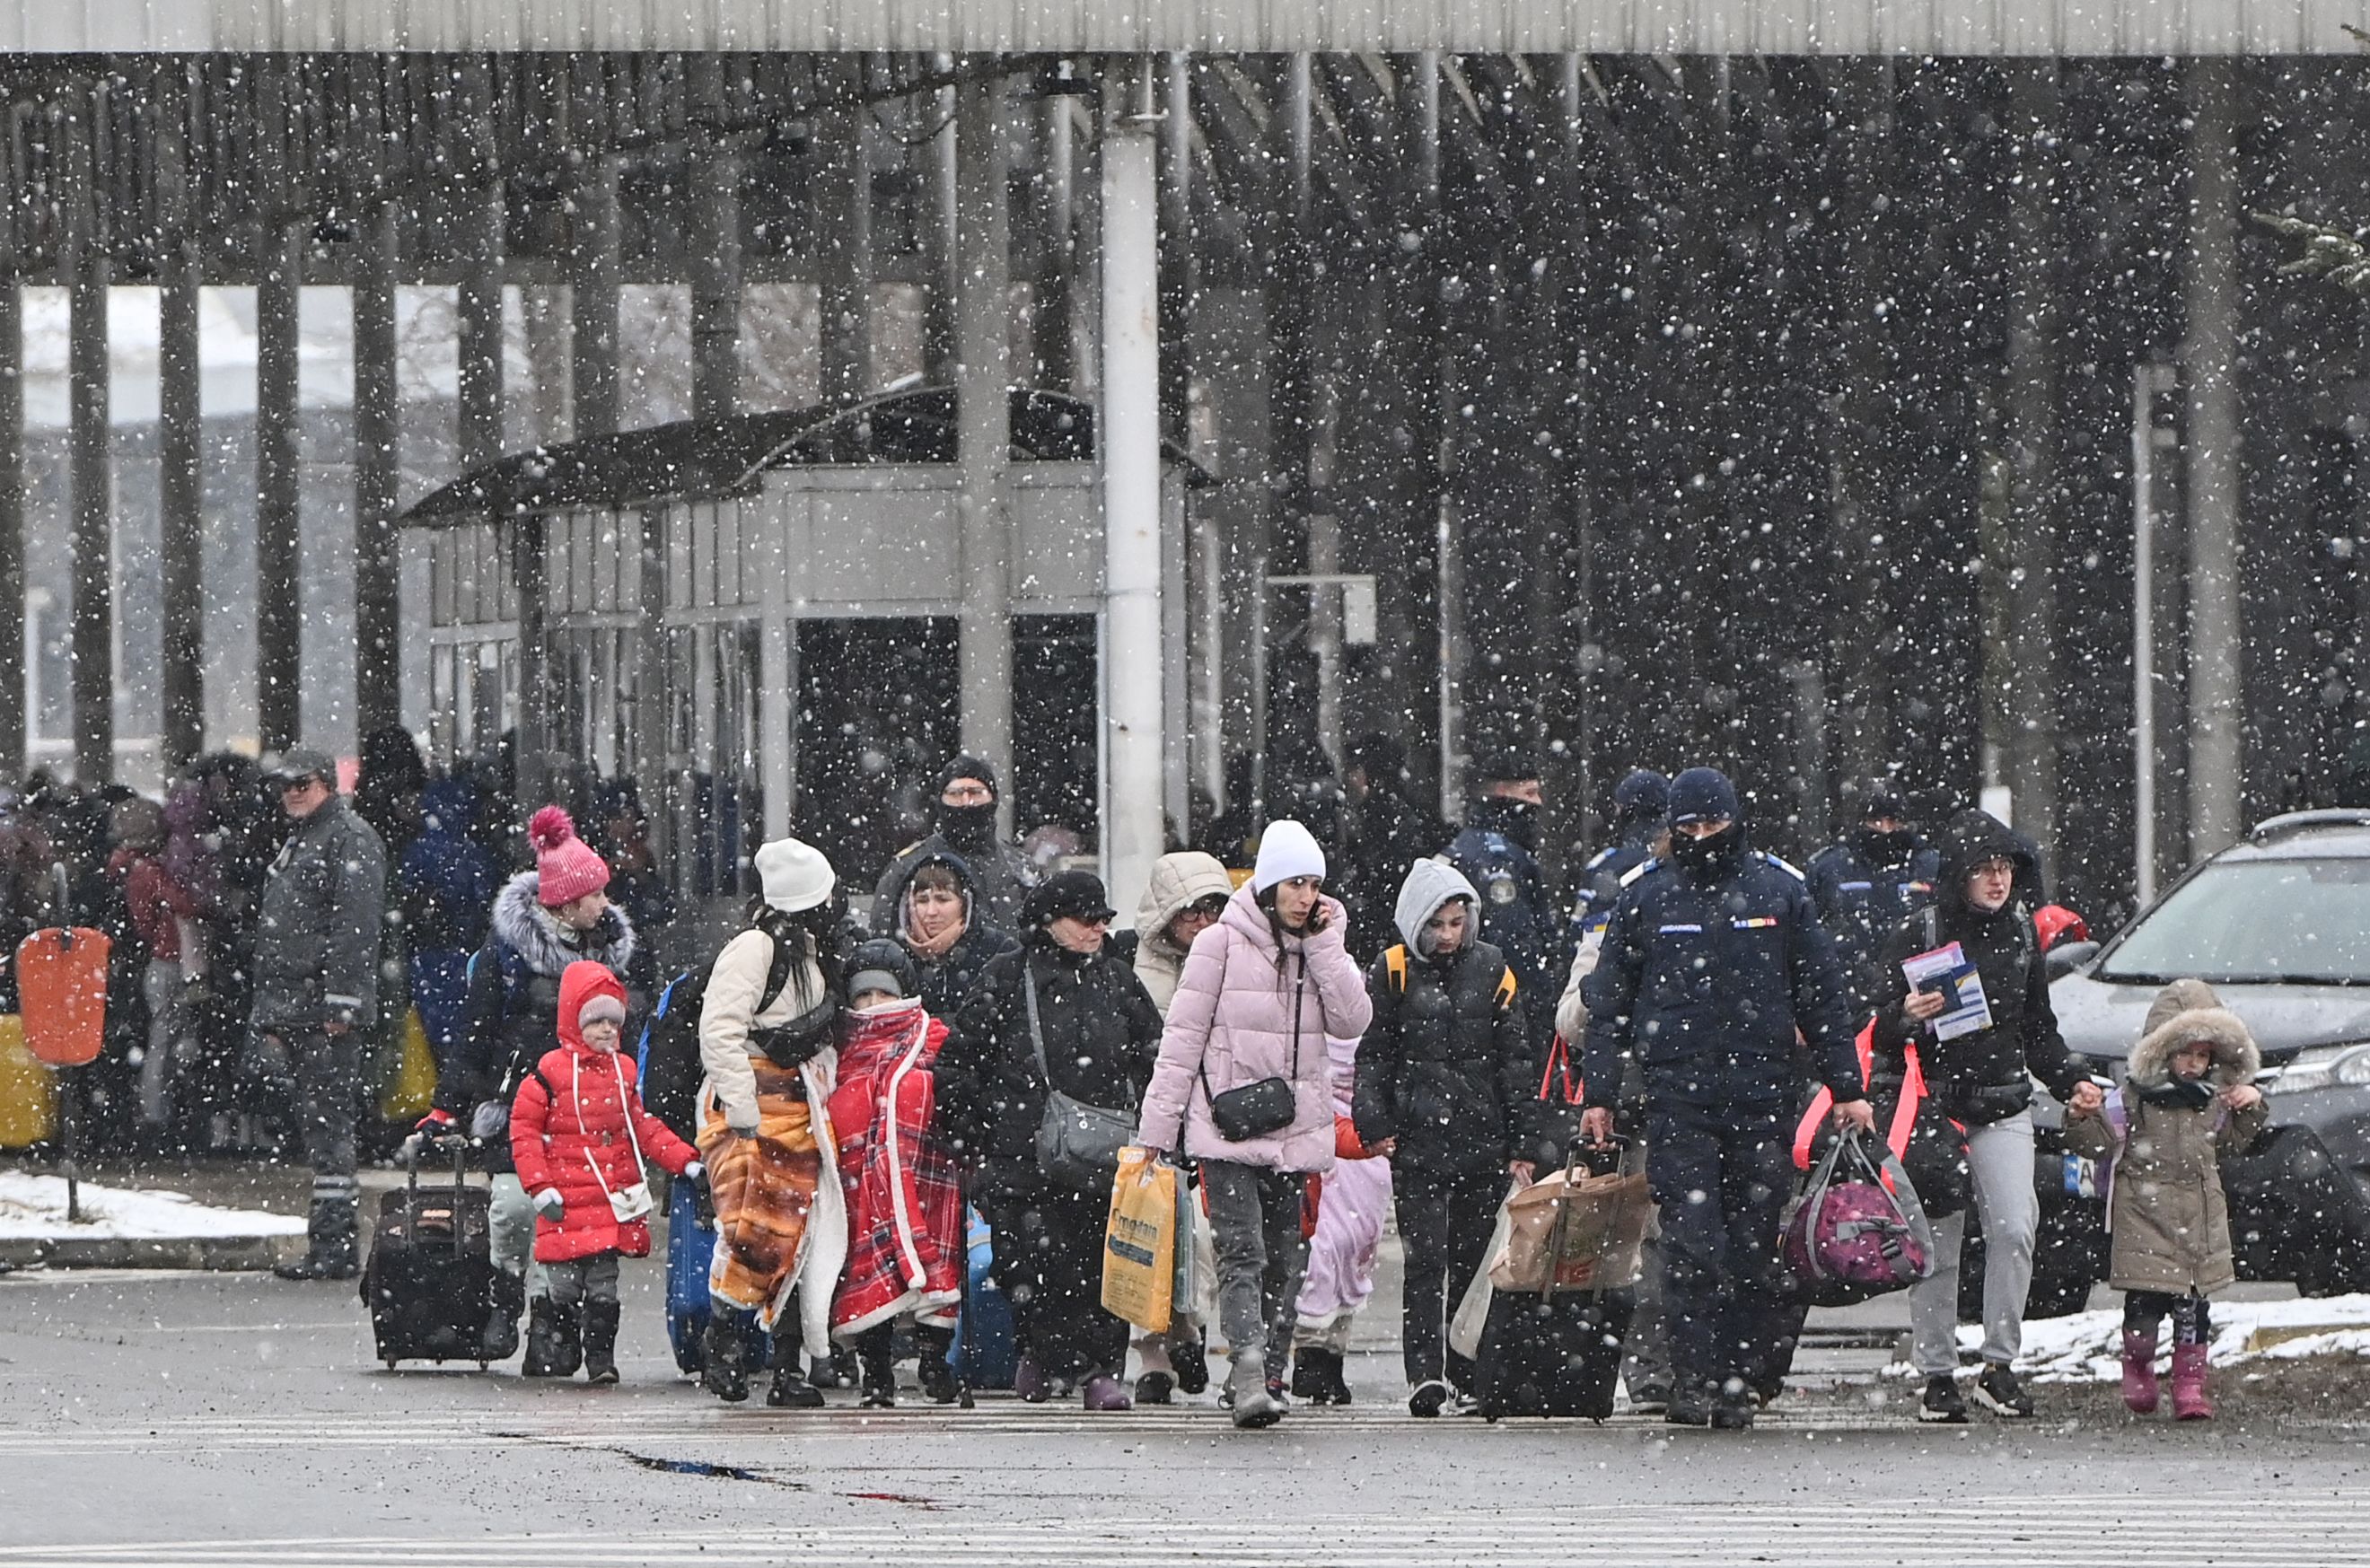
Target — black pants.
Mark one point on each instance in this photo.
(1444, 1221)
(2144, 1309)
(1049, 1262)
(1720, 1178)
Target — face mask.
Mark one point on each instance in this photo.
(968, 827)
(1703, 856)
(1518, 819)
(1887, 849)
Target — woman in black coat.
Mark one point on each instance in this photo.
(1098, 1035)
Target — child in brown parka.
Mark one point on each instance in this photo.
(2187, 1098)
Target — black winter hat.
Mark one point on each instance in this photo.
(966, 766)
(1079, 895)
(882, 964)
(1645, 795)
(1504, 761)
(1703, 795)
(1883, 797)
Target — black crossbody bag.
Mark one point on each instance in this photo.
(1269, 1106)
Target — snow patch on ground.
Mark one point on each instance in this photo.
(2088, 1348)
(34, 1207)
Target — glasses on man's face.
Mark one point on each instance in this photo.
(1207, 908)
(1995, 868)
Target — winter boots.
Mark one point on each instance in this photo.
(2189, 1401)
(791, 1390)
(507, 1300)
(553, 1348)
(1190, 1361)
(724, 1357)
(1316, 1376)
(600, 1341)
(1101, 1392)
(880, 1375)
(2139, 1373)
(331, 1248)
(1255, 1405)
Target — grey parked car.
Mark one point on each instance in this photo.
(2280, 926)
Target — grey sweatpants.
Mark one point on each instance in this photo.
(2000, 1158)
(583, 1279)
(1261, 1255)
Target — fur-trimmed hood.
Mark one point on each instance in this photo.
(522, 924)
(2185, 1010)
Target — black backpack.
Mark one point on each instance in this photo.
(669, 1062)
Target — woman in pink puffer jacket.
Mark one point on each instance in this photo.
(1260, 992)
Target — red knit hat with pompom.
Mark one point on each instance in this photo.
(565, 868)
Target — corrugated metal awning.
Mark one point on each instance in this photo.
(2031, 27)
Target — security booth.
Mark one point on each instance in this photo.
(761, 620)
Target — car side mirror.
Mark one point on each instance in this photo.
(2067, 957)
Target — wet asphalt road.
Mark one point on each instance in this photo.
(171, 1418)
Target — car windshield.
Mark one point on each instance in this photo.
(2256, 921)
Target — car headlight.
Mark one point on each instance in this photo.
(2322, 1067)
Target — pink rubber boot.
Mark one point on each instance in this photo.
(2139, 1373)
(2189, 1401)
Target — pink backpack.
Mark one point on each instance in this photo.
(1858, 1230)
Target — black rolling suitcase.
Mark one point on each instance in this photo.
(428, 1282)
(1551, 1352)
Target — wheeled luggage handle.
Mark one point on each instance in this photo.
(459, 1145)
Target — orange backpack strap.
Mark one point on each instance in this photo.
(1806, 1132)
(1395, 964)
(1556, 1085)
(1506, 990)
(1904, 1112)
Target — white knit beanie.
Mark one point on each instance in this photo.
(793, 875)
(1286, 850)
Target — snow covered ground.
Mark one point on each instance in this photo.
(34, 1209)
(2088, 1346)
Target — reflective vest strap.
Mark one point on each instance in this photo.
(1806, 1132)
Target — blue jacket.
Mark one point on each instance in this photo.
(1517, 913)
(1862, 901)
(1602, 874)
(1705, 983)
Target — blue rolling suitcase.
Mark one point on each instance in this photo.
(983, 1353)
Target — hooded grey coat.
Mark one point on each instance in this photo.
(2169, 1223)
(1444, 1067)
(1177, 881)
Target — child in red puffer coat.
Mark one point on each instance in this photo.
(579, 1135)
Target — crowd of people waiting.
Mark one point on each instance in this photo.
(835, 1095)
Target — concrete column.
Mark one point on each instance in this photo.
(280, 611)
(1051, 324)
(597, 270)
(1179, 279)
(2034, 543)
(12, 526)
(1130, 810)
(2209, 290)
(478, 320)
(844, 253)
(936, 162)
(715, 243)
(378, 663)
(983, 379)
(89, 455)
(534, 686)
(181, 513)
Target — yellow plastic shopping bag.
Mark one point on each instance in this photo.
(413, 1092)
(1140, 1244)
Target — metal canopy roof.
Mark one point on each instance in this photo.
(687, 460)
(2042, 28)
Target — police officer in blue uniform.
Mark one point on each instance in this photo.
(1712, 960)
(1865, 886)
(1641, 810)
(1497, 853)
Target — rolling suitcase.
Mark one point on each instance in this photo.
(427, 1282)
(1547, 1352)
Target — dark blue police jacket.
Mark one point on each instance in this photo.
(1862, 903)
(1706, 984)
(1517, 916)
